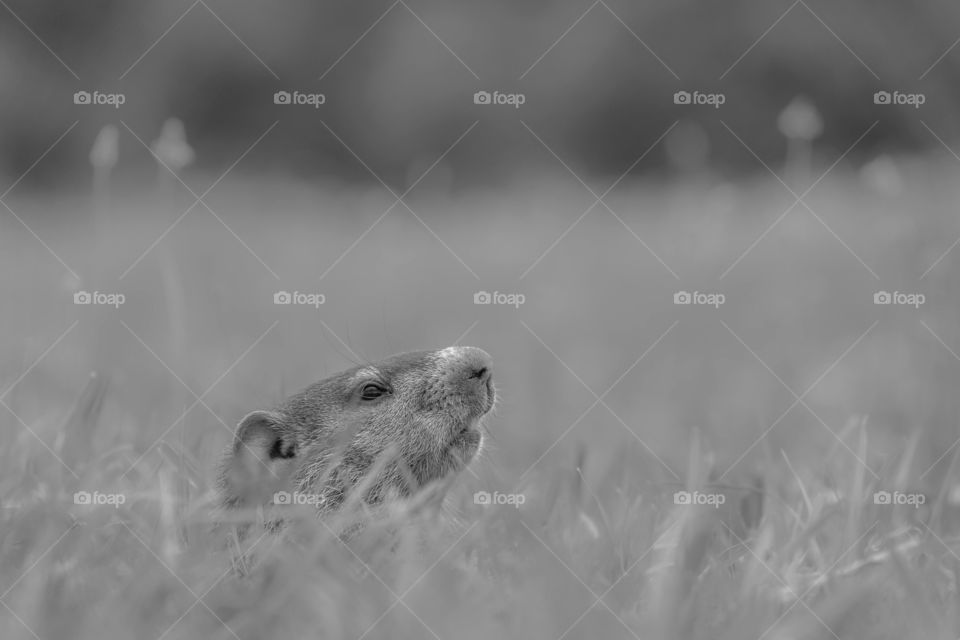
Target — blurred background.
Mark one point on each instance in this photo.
(398, 159)
(398, 81)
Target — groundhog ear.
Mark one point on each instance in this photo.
(256, 468)
(263, 434)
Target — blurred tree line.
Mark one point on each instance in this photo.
(400, 96)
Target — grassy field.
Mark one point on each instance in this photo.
(798, 400)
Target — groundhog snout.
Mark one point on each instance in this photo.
(469, 371)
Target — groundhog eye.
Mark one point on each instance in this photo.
(371, 391)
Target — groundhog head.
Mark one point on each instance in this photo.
(385, 428)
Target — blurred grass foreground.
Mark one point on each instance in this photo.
(762, 400)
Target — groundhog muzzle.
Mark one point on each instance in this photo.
(386, 429)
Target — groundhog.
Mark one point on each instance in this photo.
(383, 429)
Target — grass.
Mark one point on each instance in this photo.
(797, 549)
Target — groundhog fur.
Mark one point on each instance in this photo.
(376, 431)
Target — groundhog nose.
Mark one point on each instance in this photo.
(483, 374)
(476, 363)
